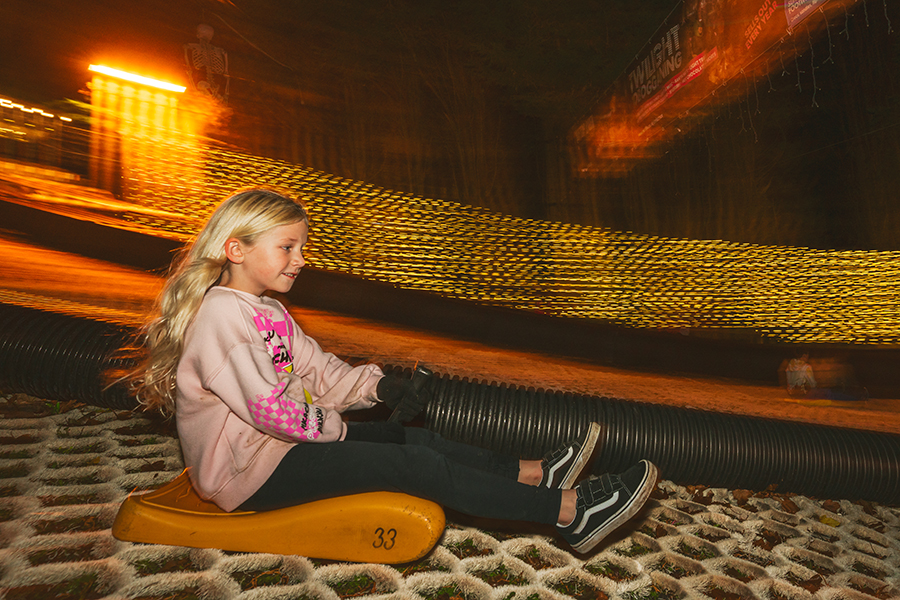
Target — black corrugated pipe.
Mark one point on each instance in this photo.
(690, 446)
(58, 357)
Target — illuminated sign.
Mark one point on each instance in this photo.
(705, 52)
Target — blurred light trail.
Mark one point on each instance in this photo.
(66, 283)
(4, 103)
(163, 85)
(174, 179)
(707, 53)
(709, 287)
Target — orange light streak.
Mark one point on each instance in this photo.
(689, 68)
(163, 85)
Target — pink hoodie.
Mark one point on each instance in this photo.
(250, 385)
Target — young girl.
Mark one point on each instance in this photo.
(258, 404)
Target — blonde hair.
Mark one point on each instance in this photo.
(246, 215)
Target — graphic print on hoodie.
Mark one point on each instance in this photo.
(278, 413)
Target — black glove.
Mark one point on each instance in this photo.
(406, 397)
(381, 432)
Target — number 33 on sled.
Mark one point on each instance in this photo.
(375, 527)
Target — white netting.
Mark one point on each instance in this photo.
(63, 477)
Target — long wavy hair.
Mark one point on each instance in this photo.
(246, 215)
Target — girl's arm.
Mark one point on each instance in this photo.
(226, 353)
(331, 382)
(273, 402)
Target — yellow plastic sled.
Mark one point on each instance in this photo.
(375, 527)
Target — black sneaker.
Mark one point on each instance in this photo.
(562, 466)
(606, 502)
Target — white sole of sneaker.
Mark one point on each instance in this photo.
(584, 455)
(626, 512)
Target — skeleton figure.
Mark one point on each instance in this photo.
(207, 65)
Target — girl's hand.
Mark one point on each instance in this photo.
(406, 397)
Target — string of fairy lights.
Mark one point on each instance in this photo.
(784, 294)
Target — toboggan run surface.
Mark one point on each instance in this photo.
(64, 475)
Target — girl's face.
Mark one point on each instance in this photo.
(272, 263)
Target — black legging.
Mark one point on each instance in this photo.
(467, 479)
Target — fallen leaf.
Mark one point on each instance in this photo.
(829, 521)
(789, 506)
(741, 496)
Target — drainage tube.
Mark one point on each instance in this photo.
(690, 446)
(58, 357)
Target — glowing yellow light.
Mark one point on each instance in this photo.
(30, 110)
(163, 85)
(774, 293)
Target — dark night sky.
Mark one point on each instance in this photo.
(537, 50)
(48, 44)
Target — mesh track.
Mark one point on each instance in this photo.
(63, 477)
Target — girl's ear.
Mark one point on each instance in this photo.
(234, 251)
